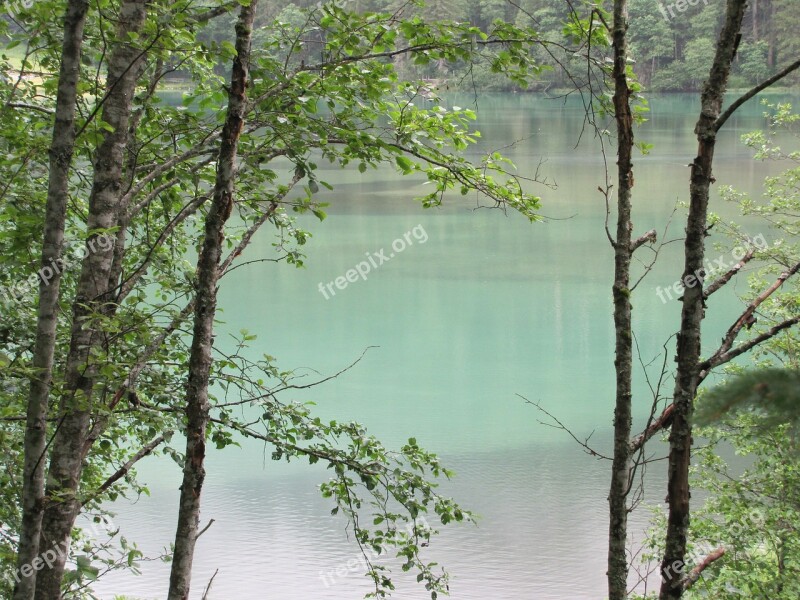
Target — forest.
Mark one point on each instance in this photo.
(163, 161)
(670, 49)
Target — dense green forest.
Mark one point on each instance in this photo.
(670, 47)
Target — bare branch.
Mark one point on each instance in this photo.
(728, 356)
(726, 277)
(760, 87)
(746, 316)
(695, 573)
(650, 237)
(210, 581)
(559, 425)
(662, 422)
(202, 531)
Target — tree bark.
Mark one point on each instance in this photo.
(92, 297)
(197, 406)
(61, 153)
(623, 249)
(693, 309)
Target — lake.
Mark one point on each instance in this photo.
(477, 309)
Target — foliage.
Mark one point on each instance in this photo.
(772, 394)
(752, 514)
(667, 46)
(327, 85)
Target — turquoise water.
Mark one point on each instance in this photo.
(478, 308)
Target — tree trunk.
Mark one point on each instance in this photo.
(197, 407)
(61, 152)
(92, 296)
(754, 15)
(623, 249)
(688, 345)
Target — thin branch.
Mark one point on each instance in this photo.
(124, 469)
(662, 422)
(43, 109)
(152, 195)
(134, 372)
(726, 277)
(210, 581)
(127, 285)
(761, 86)
(746, 316)
(202, 531)
(720, 359)
(331, 457)
(212, 14)
(248, 235)
(559, 425)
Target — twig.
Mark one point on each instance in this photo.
(559, 425)
(210, 581)
(202, 531)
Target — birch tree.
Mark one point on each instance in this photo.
(92, 300)
(197, 403)
(61, 154)
(148, 171)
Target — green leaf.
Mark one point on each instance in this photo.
(405, 164)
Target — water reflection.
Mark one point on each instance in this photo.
(489, 307)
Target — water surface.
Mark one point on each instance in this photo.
(488, 308)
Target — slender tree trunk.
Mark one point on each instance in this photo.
(770, 14)
(688, 352)
(92, 296)
(755, 20)
(621, 467)
(61, 152)
(197, 407)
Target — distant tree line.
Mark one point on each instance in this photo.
(671, 41)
